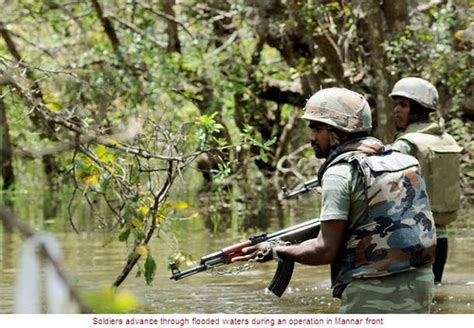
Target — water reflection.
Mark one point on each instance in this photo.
(221, 222)
(7, 250)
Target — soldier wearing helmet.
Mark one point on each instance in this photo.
(379, 242)
(438, 153)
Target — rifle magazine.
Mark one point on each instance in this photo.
(282, 277)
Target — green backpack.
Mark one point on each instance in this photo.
(439, 157)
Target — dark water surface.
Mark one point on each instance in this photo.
(90, 266)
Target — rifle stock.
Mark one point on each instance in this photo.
(295, 235)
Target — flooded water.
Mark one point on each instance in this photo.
(90, 266)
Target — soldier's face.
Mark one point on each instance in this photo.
(401, 112)
(320, 139)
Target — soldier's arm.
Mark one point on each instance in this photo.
(318, 251)
(335, 209)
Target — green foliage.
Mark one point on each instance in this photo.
(428, 48)
(208, 127)
(150, 268)
(109, 300)
(255, 138)
(223, 171)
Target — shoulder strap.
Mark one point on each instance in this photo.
(353, 148)
(389, 161)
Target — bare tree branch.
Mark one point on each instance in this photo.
(174, 44)
(107, 24)
(137, 30)
(165, 16)
(159, 199)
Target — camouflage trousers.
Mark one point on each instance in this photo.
(406, 292)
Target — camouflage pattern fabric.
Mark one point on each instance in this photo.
(398, 233)
(340, 108)
(406, 292)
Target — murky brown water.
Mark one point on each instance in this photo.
(91, 266)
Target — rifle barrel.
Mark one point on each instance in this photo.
(307, 186)
(207, 262)
(189, 272)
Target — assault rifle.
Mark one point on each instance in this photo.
(307, 187)
(295, 235)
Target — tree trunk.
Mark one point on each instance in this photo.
(46, 130)
(107, 24)
(396, 13)
(6, 158)
(172, 28)
(375, 19)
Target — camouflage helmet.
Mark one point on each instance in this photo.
(341, 108)
(416, 89)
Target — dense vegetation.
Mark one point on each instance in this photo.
(118, 100)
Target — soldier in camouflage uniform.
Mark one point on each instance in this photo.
(437, 152)
(377, 230)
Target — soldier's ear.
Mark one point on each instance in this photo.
(343, 136)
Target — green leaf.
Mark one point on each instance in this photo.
(139, 235)
(270, 142)
(150, 268)
(223, 171)
(108, 300)
(139, 273)
(179, 205)
(53, 107)
(263, 156)
(124, 233)
(100, 151)
(108, 241)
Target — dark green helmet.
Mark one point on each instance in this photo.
(340, 108)
(416, 89)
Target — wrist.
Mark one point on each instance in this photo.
(275, 254)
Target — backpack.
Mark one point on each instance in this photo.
(439, 157)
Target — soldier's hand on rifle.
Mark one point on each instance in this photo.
(261, 252)
(259, 248)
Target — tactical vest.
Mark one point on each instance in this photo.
(398, 232)
(439, 157)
